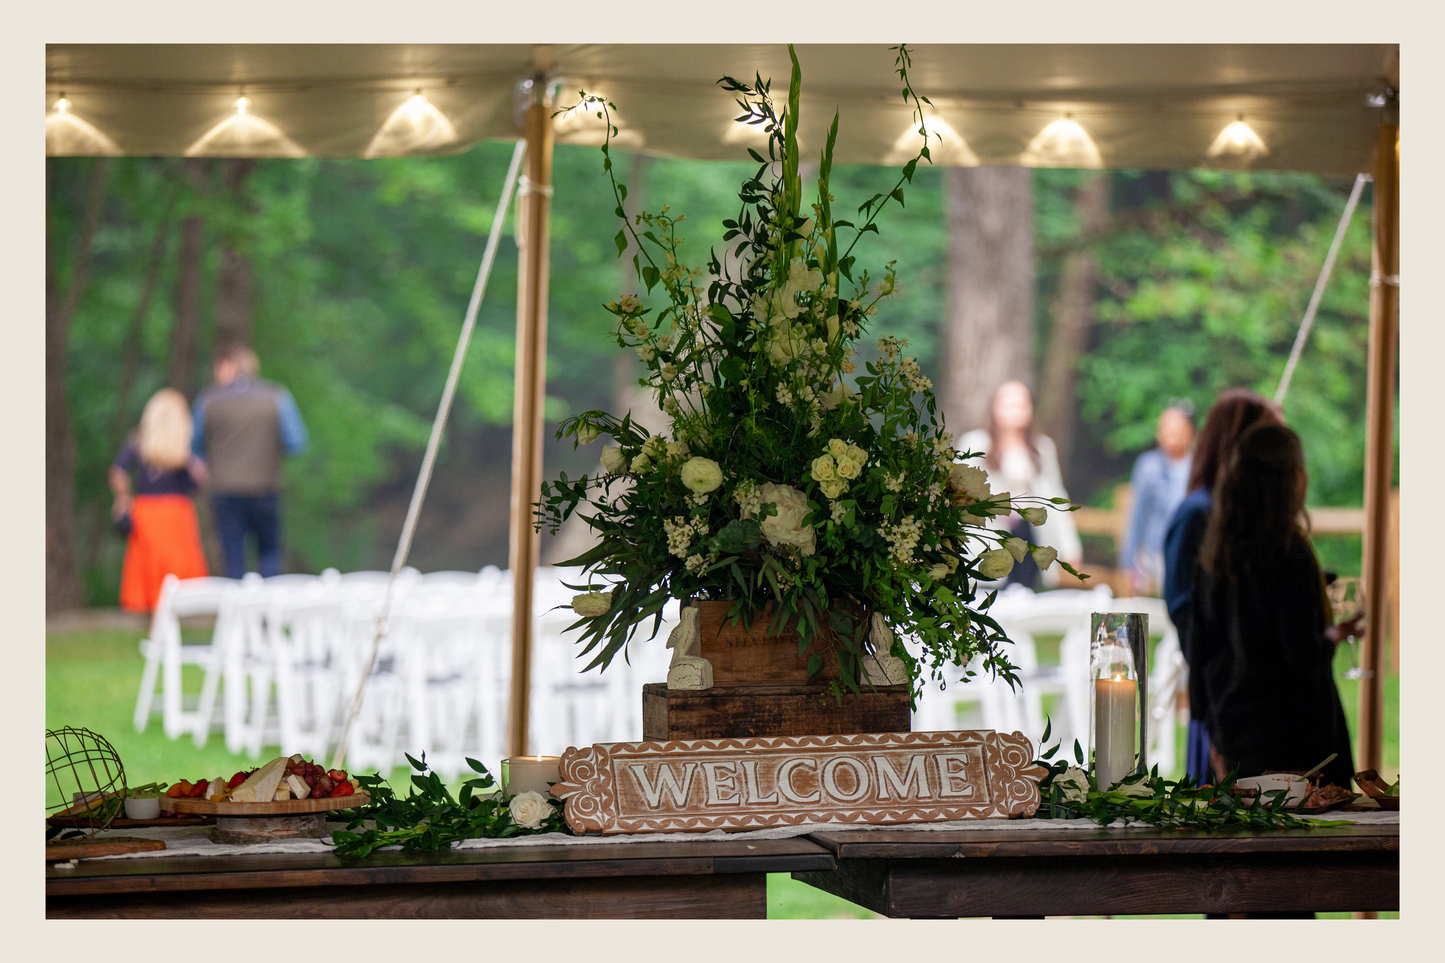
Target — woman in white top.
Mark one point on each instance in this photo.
(1022, 462)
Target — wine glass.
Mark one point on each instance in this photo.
(1347, 599)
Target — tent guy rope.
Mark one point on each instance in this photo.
(418, 495)
(1324, 279)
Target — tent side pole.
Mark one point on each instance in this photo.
(530, 376)
(1379, 443)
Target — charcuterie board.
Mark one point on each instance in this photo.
(120, 822)
(284, 807)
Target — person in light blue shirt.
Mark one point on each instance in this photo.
(1159, 482)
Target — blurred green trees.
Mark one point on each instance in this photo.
(363, 269)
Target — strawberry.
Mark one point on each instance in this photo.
(337, 775)
(199, 789)
(342, 789)
(236, 780)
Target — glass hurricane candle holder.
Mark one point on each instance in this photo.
(530, 773)
(1118, 717)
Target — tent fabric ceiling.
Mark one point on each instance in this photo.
(1144, 106)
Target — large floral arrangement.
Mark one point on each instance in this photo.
(789, 476)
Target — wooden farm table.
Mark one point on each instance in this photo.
(718, 879)
(1038, 873)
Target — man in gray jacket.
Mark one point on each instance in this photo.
(244, 427)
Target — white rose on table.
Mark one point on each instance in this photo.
(592, 604)
(1074, 783)
(702, 475)
(1016, 547)
(995, 564)
(1044, 556)
(968, 480)
(529, 809)
(786, 527)
(824, 468)
(613, 460)
(1135, 787)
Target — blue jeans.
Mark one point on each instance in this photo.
(240, 515)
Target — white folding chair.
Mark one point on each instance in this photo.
(165, 653)
(305, 645)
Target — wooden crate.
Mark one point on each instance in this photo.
(750, 656)
(743, 711)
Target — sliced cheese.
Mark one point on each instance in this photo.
(298, 788)
(282, 794)
(261, 787)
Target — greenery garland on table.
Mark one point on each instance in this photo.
(788, 476)
(430, 819)
(1071, 792)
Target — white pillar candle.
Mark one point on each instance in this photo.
(530, 773)
(1113, 729)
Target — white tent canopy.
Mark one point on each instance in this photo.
(1143, 106)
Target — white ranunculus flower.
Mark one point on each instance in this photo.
(995, 564)
(1044, 556)
(968, 480)
(786, 527)
(592, 604)
(838, 448)
(702, 475)
(529, 809)
(587, 433)
(835, 488)
(849, 469)
(1035, 515)
(938, 571)
(824, 468)
(1016, 547)
(613, 460)
(1075, 784)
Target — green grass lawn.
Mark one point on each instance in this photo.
(91, 680)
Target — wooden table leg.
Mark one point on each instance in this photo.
(727, 896)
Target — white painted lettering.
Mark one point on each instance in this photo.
(755, 794)
(785, 781)
(953, 782)
(888, 779)
(860, 779)
(666, 781)
(721, 789)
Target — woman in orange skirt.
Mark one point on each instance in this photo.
(164, 537)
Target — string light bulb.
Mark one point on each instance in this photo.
(1238, 139)
(243, 134)
(67, 135)
(1062, 143)
(417, 126)
(242, 104)
(946, 146)
(62, 106)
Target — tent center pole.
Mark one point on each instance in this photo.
(533, 212)
(1379, 440)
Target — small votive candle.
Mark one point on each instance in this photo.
(530, 774)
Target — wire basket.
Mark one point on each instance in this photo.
(86, 776)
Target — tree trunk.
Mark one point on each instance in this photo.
(990, 332)
(182, 373)
(235, 299)
(1073, 317)
(130, 352)
(62, 574)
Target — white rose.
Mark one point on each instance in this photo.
(835, 488)
(786, 527)
(702, 475)
(824, 468)
(938, 571)
(592, 604)
(1044, 556)
(968, 480)
(529, 809)
(1136, 787)
(1034, 516)
(857, 455)
(838, 448)
(613, 460)
(1016, 547)
(996, 563)
(849, 469)
(1074, 783)
(587, 433)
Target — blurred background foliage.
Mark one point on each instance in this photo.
(363, 269)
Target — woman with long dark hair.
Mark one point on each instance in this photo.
(1234, 412)
(1261, 635)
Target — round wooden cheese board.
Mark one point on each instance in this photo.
(286, 807)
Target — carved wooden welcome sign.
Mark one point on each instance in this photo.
(703, 784)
